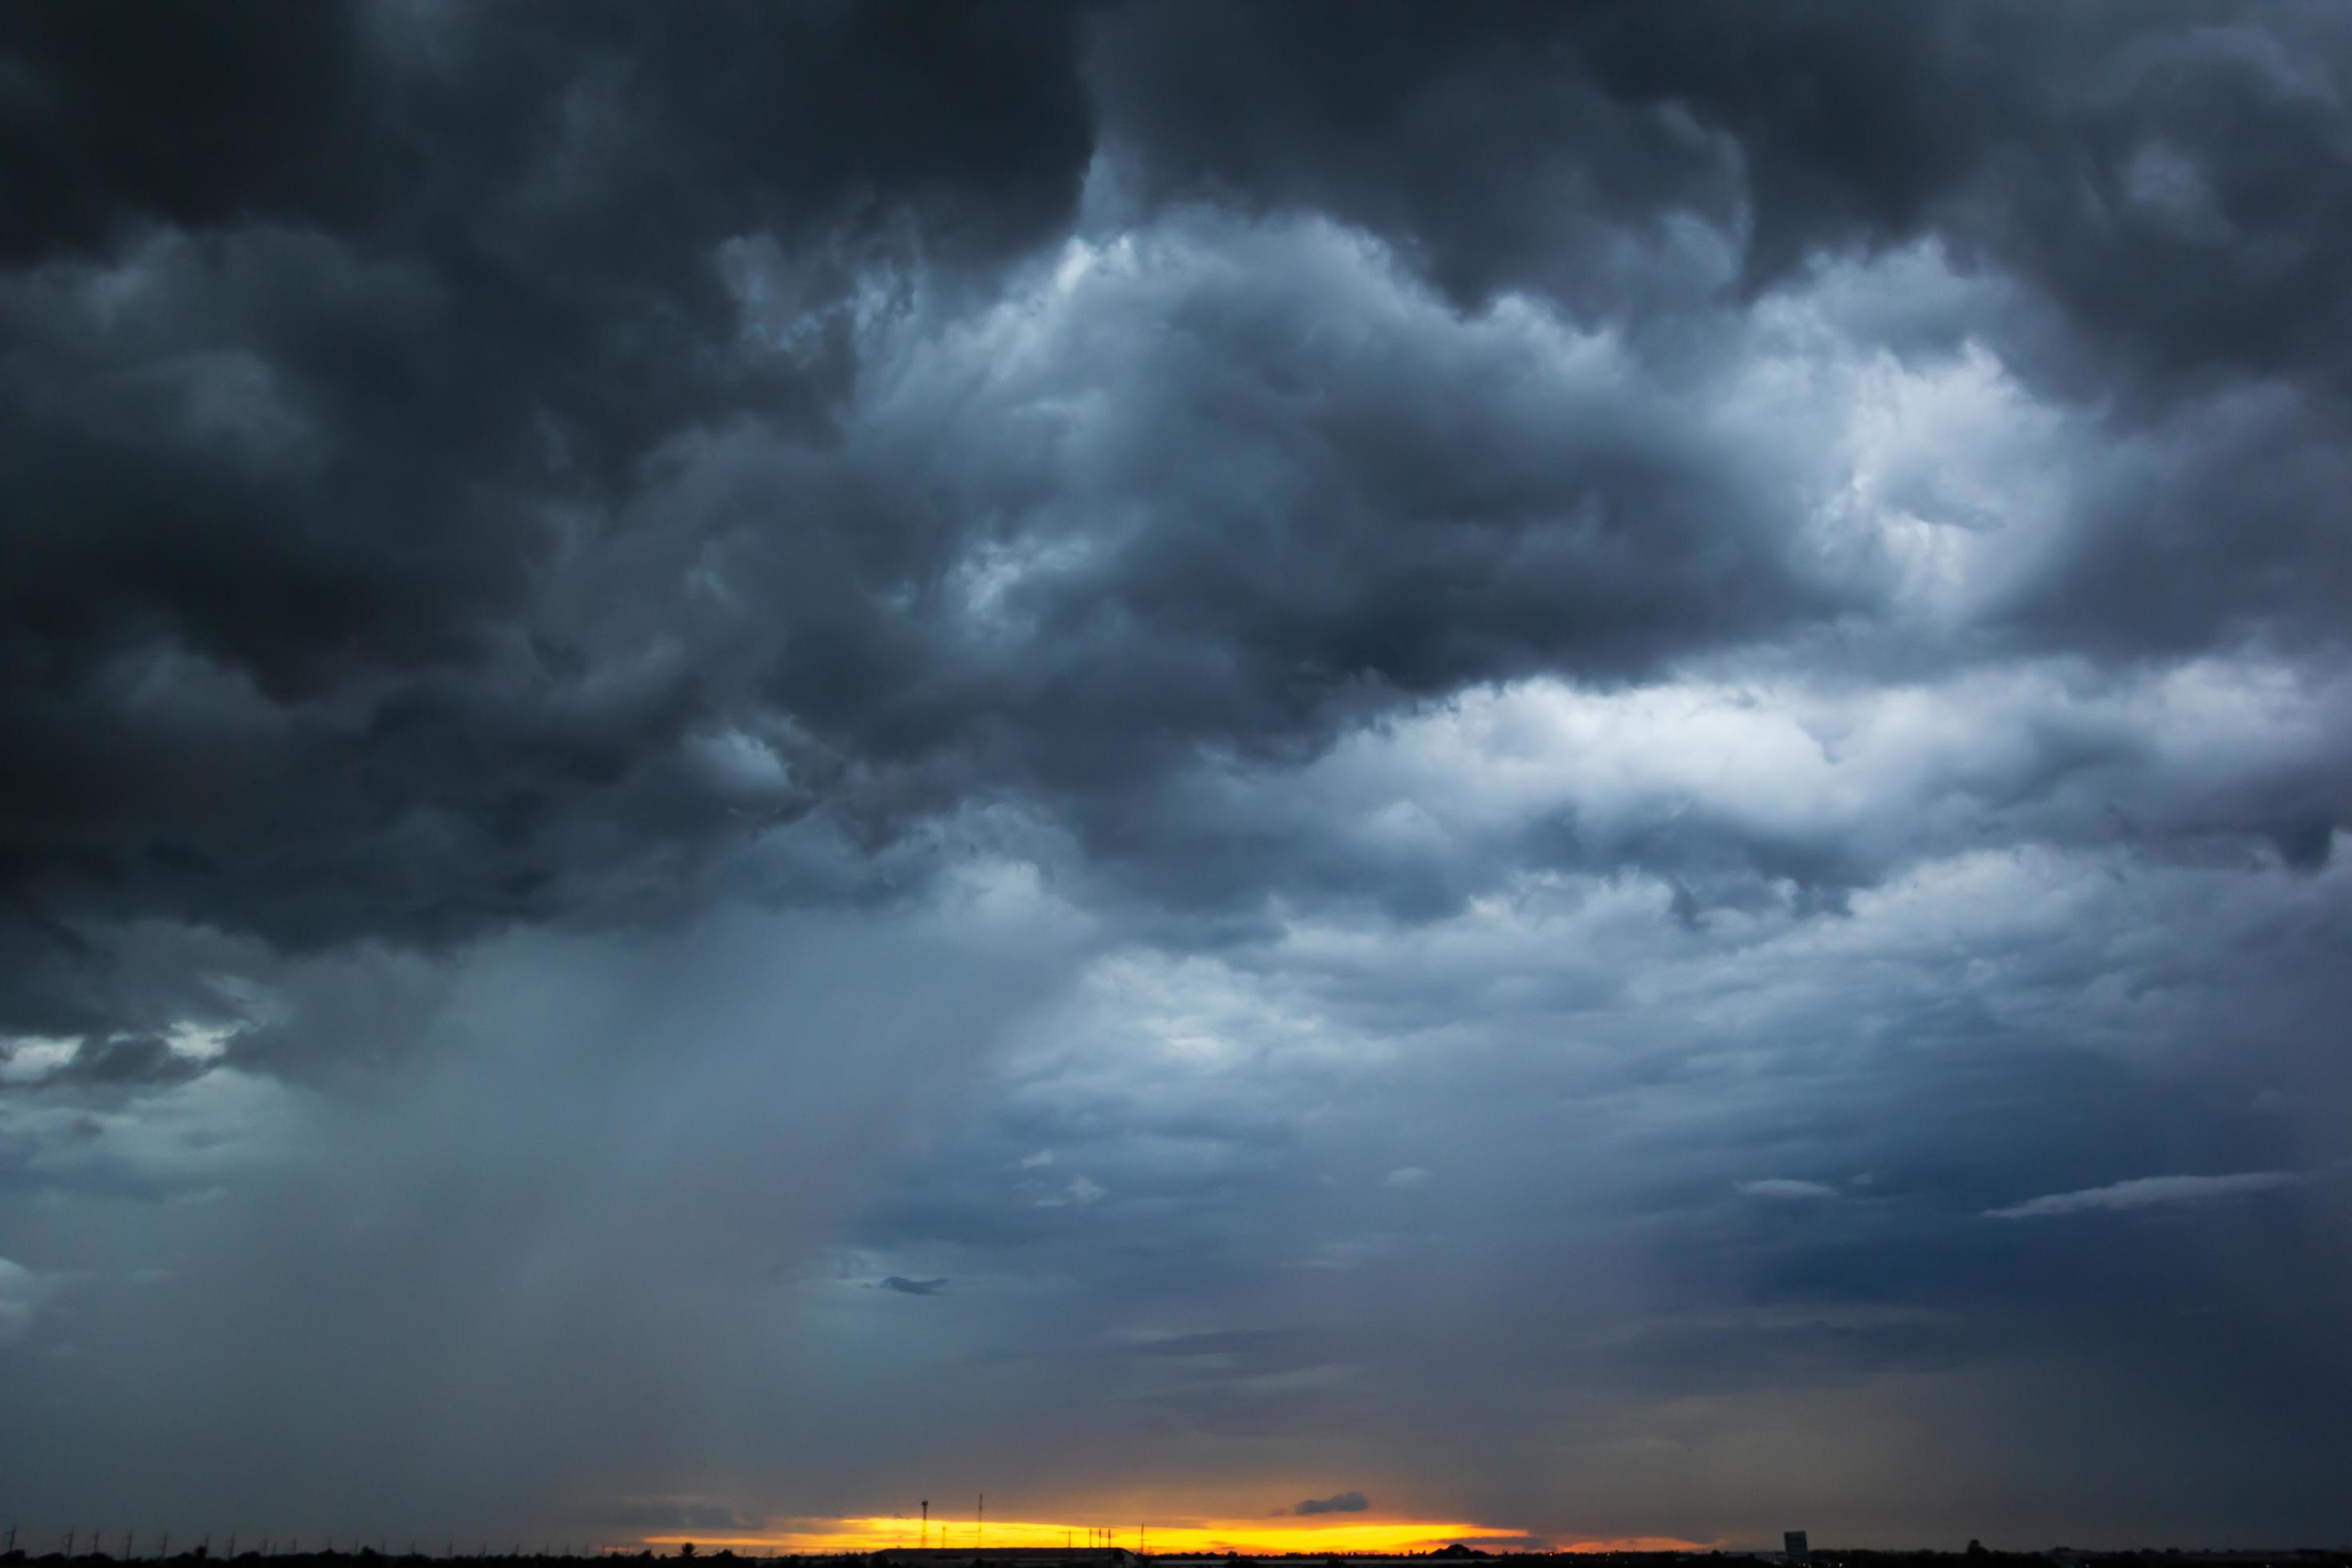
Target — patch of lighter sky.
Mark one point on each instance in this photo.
(31, 1057)
(200, 1041)
(740, 765)
(184, 1137)
(1940, 468)
(1792, 760)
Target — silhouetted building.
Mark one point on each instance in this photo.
(1792, 1543)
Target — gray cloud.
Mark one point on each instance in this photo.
(647, 651)
(1344, 1502)
(598, 659)
(2108, 197)
(1786, 1189)
(2148, 1192)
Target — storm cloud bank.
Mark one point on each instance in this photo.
(1451, 743)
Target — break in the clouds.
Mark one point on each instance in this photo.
(765, 758)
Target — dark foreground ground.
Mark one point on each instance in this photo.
(50, 1556)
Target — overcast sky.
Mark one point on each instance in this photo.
(1584, 770)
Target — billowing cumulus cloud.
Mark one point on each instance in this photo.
(1591, 770)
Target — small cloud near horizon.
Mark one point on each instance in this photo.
(2148, 1192)
(905, 1287)
(1344, 1502)
(1784, 1189)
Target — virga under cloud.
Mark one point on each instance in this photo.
(1589, 769)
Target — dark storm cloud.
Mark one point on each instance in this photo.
(2120, 156)
(2169, 184)
(1625, 734)
(447, 495)
(174, 113)
(332, 340)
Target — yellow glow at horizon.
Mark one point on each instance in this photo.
(1251, 1537)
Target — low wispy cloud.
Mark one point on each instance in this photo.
(2148, 1192)
(1345, 1502)
(1405, 1176)
(1785, 1189)
(1083, 1190)
(905, 1287)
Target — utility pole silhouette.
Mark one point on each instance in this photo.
(980, 1524)
(926, 1524)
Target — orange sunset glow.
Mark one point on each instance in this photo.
(1254, 1537)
